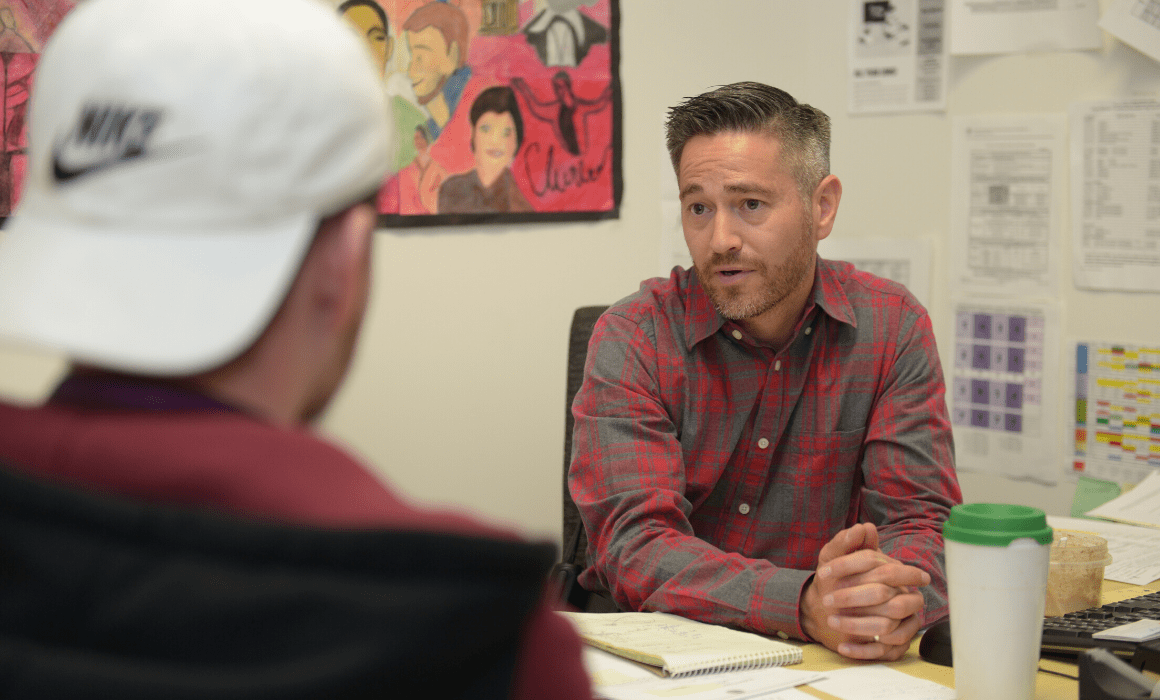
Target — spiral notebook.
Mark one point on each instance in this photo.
(677, 646)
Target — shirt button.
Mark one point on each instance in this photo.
(763, 443)
(737, 335)
(783, 635)
(808, 330)
(743, 509)
(777, 366)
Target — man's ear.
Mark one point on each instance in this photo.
(824, 205)
(339, 262)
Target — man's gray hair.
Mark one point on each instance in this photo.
(802, 130)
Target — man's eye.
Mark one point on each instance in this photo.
(697, 209)
(752, 204)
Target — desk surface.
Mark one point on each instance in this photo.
(1048, 686)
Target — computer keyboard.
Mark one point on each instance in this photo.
(1071, 634)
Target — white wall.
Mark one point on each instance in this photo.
(458, 389)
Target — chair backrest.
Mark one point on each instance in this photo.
(575, 540)
(102, 596)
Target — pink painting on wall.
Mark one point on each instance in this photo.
(504, 110)
(24, 27)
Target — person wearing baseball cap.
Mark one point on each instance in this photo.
(195, 235)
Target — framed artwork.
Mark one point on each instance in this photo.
(24, 27)
(504, 110)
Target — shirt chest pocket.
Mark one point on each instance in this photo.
(812, 482)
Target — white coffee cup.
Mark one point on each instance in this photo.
(997, 558)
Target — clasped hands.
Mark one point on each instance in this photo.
(862, 603)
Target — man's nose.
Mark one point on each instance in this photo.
(725, 236)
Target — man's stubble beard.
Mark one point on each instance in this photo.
(735, 304)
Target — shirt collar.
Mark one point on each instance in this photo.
(702, 319)
(830, 293)
(454, 86)
(452, 91)
(107, 390)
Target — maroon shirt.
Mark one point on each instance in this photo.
(159, 442)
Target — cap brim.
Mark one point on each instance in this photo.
(165, 302)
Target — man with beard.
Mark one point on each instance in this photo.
(763, 441)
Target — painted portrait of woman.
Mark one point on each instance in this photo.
(497, 131)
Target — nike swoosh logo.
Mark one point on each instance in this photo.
(62, 173)
(104, 135)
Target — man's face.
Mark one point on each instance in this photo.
(751, 235)
(494, 139)
(370, 26)
(431, 61)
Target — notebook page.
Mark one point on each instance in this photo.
(678, 645)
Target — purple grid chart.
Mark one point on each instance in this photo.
(997, 358)
(1148, 11)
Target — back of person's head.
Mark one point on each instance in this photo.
(182, 154)
(802, 130)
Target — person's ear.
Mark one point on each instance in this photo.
(340, 262)
(824, 205)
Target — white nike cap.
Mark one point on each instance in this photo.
(181, 156)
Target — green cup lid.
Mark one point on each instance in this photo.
(996, 524)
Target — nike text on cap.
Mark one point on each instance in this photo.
(181, 155)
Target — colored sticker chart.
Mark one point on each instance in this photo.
(1117, 411)
(998, 397)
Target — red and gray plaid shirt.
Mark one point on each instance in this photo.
(710, 469)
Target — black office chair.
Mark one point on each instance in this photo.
(107, 597)
(575, 541)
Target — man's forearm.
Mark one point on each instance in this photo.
(684, 575)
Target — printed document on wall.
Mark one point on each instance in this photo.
(1010, 26)
(902, 260)
(1136, 23)
(897, 56)
(1115, 193)
(1001, 389)
(1007, 186)
(1117, 410)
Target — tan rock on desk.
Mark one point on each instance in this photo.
(1077, 570)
